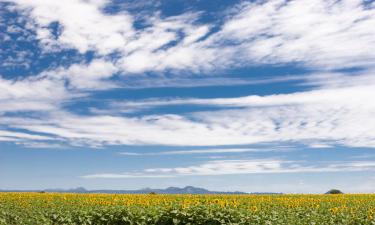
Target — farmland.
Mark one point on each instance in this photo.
(53, 208)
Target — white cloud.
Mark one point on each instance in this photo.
(31, 94)
(342, 116)
(122, 176)
(84, 25)
(318, 33)
(47, 91)
(203, 81)
(337, 95)
(319, 145)
(230, 167)
(41, 145)
(81, 77)
(198, 151)
(11, 136)
(337, 80)
(153, 49)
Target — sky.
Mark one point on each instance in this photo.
(229, 95)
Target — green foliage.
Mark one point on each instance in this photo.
(82, 209)
(334, 192)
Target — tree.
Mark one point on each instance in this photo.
(334, 191)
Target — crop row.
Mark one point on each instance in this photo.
(56, 209)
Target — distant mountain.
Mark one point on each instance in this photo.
(185, 190)
(169, 190)
(73, 190)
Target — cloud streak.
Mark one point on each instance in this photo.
(199, 151)
(342, 116)
(232, 167)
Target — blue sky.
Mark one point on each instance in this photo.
(256, 96)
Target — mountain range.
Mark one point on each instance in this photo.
(169, 190)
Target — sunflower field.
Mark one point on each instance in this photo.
(116, 209)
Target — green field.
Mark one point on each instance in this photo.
(50, 208)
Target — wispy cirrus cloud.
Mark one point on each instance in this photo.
(335, 95)
(84, 77)
(20, 136)
(202, 151)
(83, 25)
(203, 81)
(313, 33)
(182, 43)
(327, 34)
(317, 34)
(31, 94)
(231, 167)
(342, 116)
